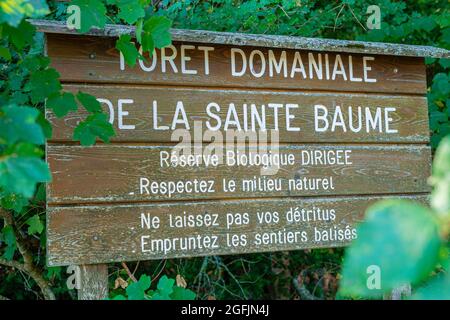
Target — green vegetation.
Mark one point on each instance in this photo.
(26, 81)
(407, 241)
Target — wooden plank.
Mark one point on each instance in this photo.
(94, 59)
(100, 234)
(408, 114)
(94, 282)
(118, 173)
(259, 40)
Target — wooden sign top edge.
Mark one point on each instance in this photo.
(275, 41)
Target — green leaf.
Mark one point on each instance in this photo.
(93, 14)
(34, 225)
(437, 288)
(19, 174)
(128, 49)
(43, 84)
(445, 63)
(12, 201)
(180, 293)
(130, 10)
(139, 26)
(136, 290)
(89, 102)
(441, 163)
(165, 288)
(19, 124)
(36, 8)
(62, 104)
(21, 35)
(24, 149)
(96, 125)
(13, 11)
(45, 125)
(440, 199)
(39, 197)
(155, 33)
(9, 238)
(34, 63)
(441, 85)
(424, 23)
(430, 60)
(445, 37)
(5, 54)
(400, 238)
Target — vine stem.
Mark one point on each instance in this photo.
(27, 266)
(131, 275)
(302, 291)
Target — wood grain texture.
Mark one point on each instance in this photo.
(112, 173)
(245, 39)
(410, 117)
(95, 59)
(100, 234)
(94, 282)
(98, 212)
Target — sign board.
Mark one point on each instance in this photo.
(231, 144)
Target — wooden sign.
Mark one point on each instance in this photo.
(232, 144)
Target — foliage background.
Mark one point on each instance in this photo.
(304, 274)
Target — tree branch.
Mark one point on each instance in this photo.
(131, 275)
(302, 291)
(28, 264)
(12, 264)
(7, 216)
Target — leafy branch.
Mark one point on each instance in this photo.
(27, 265)
(28, 82)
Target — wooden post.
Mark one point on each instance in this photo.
(93, 282)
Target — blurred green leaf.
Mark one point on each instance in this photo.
(440, 197)
(437, 288)
(20, 124)
(399, 237)
(13, 11)
(441, 162)
(19, 174)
